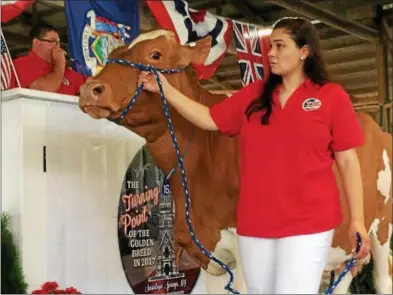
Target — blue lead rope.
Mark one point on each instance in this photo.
(148, 68)
(179, 158)
(349, 265)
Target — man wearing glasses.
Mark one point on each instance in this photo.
(44, 68)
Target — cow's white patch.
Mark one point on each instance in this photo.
(147, 36)
(381, 253)
(311, 104)
(223, 251)
(226, 250)
(336, 258)
(374, 227)
(215, 284)
(385, 177)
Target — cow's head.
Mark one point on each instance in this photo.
(107, 94)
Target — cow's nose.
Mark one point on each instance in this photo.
(97, 90)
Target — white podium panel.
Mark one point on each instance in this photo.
(64, 208)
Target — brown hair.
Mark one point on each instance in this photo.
(303, 33)
(39, 30)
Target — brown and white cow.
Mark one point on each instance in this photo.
(212, 161)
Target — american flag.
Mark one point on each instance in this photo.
(6, 66)
(252, 50)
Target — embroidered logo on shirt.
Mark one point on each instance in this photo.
(65, 81)
(311, 104)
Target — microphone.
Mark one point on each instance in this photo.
(73, 60)
(69, 57)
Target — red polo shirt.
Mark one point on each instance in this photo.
(31, 67)
(287, 185)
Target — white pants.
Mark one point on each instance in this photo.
(292, 265)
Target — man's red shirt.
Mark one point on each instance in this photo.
(31, 67)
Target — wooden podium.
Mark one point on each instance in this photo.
(61, 183)
(62, 174)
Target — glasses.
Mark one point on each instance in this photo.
(49, 41)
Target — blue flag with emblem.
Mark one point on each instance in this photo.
(96, 27)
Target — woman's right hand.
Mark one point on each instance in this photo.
(195, 112)
(150, 81)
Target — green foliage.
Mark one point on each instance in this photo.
(12, 277)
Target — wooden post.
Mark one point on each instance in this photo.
(382, 70)
(381, 76)
(34, 14)
(388, 37)
(390, 110)
(339, 8)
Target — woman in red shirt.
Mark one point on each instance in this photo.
(292, 128)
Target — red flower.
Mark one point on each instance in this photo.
(49, 286)
(52, 288)
(72, 290)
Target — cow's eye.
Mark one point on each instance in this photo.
(156, 55)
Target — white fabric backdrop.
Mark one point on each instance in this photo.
(65, 220)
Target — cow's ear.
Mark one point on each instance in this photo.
(195, 52)
(202, 50)
(116, 53)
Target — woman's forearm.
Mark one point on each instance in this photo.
(349, 168)
(196, 113)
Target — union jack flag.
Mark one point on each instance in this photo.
(252, 49)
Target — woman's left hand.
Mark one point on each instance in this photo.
(358, 227)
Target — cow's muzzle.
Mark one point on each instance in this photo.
(95, 98)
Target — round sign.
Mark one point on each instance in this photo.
(145, 233)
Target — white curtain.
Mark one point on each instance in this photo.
(86, 165)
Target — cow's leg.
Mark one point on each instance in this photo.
(343, 287)
(381, 251)
(215, 284)
(227, 251)
(240, 282)
(336, 258)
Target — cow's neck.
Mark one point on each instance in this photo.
(152, 124)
